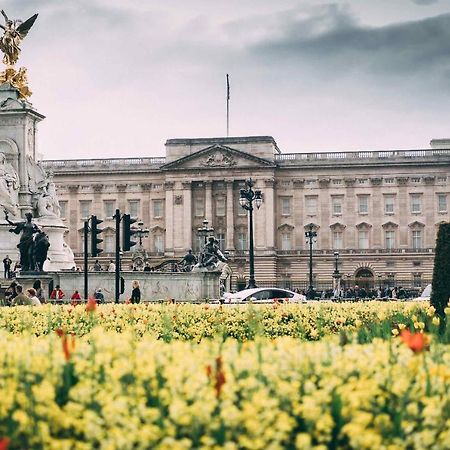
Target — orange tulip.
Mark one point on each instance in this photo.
(417, 342)
(91, 305)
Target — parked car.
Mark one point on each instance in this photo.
(263, 295)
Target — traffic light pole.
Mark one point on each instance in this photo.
(117, 278)
(86, 231)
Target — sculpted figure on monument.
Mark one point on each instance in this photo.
(14, 31)
(9, 186)
(211, 254)
(40, 250)
(25, 245)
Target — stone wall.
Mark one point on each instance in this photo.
(154, 285)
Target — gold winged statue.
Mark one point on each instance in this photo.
(14, 31)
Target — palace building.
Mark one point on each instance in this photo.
(379, 209)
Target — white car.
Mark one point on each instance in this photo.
(425, 295)
(263, 295)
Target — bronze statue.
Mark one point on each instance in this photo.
(13, 34)
(211, 254)
(40, 250)
(26, 243)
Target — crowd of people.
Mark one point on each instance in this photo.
(15, 295)
(357, 292)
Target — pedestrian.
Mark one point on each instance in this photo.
(57, 293)
(97, 266)
(31, 293)
(37, 286)
(10, 293)
(76, 296)
(147, 268)
(20, 298)
(98, 295)
(136, 292)
(7, 266)
(112, 266)
(17, 268)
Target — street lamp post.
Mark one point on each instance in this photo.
(336, 275)
(141, 233)
(310, 236)
(205, 231)
(246, 198)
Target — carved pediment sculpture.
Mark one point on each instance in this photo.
(219, 159)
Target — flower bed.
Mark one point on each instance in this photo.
(196, 377)
(195, 322)
(111, 391)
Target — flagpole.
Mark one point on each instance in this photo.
(228, 106)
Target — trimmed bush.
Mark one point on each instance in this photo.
(441, 272)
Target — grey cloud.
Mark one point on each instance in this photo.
(337, 43)
(424, 2)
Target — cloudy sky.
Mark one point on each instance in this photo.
(116, 78)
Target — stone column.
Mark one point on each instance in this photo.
(187, 213)
(208, 202)
(298, 213)
(350, 213)
(230, 216)
(324, 210)
(146, 189)
(168, 187)
(377, 213)
(404, 213)
(121, 200)
(97, 206)
(73, 211)
(270, 214)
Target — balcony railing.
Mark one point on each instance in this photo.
(364, 155)
(102, 163)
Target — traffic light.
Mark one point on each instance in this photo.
(128, 232)
(95, 251)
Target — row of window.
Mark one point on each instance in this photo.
(363, 240)
(311, 203)
(109, 208)
(363, 202)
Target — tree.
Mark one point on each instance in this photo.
(441, 272)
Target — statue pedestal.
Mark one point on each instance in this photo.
(8, 243)
(60, 255)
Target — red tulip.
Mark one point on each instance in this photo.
(417, 342)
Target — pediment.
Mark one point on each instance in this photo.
(286, 227)
(217, 157)
(389, 225)
(157, 229)
(416, 224)
(362, 225)
(337, 226)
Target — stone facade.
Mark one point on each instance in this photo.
(379, 209)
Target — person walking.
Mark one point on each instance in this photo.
(57, 293)
(10, 293)
(20, 298)
(136, 292)
(7, 266)
(76, 296)
(34, 301)
(37, 286)
(97, 266)
(98, 295)
(112, 266)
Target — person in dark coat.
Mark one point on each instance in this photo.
(136, 292)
